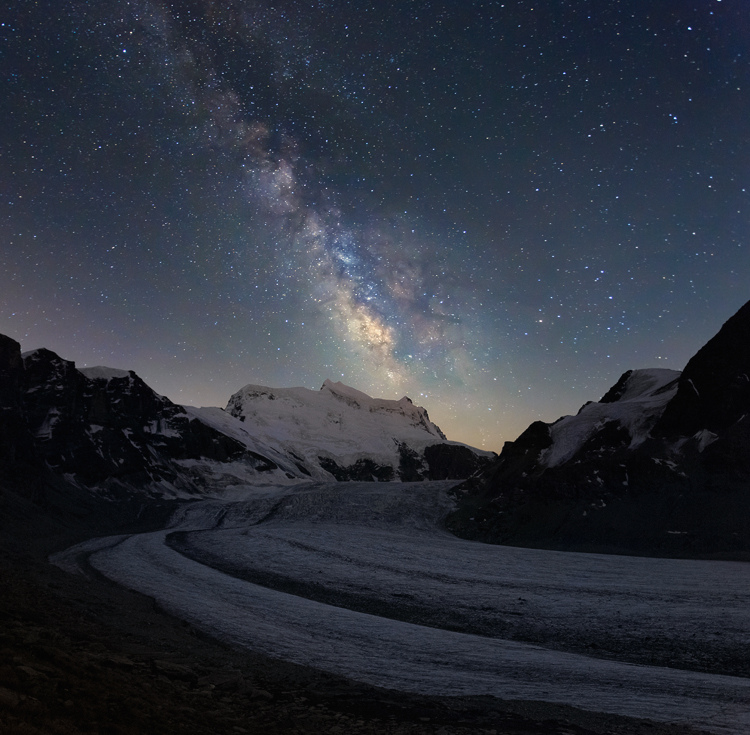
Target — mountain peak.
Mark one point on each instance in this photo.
(341, 390)
(350, 435)
(359, 399)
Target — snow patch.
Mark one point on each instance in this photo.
(104, 373)
(646, 394)
(704, 438)
(45, 430)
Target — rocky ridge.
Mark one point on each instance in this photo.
(104, 431)
(660, 465)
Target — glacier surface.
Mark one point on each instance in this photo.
(297, 573)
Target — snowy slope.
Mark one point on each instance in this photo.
(286, 471)
(338, 428)
(100, 372)
(639, 399)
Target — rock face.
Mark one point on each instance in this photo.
(14, 437)
(17, 452)
(103, 431)
(660, 465)
(714, 389)
(107, 431)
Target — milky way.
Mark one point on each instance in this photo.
(368, 280)
(493, 207)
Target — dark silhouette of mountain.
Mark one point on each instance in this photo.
(714, 388)
(660, 465)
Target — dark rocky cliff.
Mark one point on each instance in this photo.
(665, 472)
(112, 435)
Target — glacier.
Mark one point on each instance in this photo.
(454, 617)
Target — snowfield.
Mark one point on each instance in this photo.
(360, 580)
(645, 395)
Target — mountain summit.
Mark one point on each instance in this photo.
(341, 432)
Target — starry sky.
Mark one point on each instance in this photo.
(495, 208)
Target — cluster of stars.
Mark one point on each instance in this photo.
(495, 206)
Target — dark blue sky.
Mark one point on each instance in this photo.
(493, 207)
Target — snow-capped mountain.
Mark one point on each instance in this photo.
(627, 413)
(661, 464)
(341, 432)
(337, 405)
(105, 431)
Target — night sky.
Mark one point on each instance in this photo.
(495, 208)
